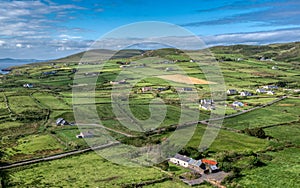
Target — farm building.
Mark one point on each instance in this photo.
(118, 82)
(161, 89)
(237, 104)
(146, 89)
(49, 73)
(28, 85)
(207, 104)
(197, 165)
(61, 122)
(187, 89)
(246, 93)
(85, 135)
(124, 66)
(169, 69)
(270, 87)
(232, 92)
(261, 90)
(203, 165)
(180, 160)
(207, 101)
(211, 165)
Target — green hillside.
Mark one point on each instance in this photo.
(250, 145)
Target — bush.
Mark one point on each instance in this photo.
(257, 132)
(163, 165)
(191, 152)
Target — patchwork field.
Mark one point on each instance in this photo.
(28, 120)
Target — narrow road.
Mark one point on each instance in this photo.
(58, 156)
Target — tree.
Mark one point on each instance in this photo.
(4, 176)
(281, 84)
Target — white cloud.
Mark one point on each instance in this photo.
(266, 37)
(2, 43)
(31, 18)
(64, 36)
(19, 45)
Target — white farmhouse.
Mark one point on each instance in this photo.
(180, 160)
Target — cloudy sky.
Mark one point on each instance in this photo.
(48, 29)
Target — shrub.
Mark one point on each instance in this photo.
(257, 132)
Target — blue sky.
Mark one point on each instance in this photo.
(49, 29)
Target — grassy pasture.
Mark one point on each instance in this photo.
(10, 124)
(34, 143)
(87, 170)
(51, 101)
(282, 171)
(287, 133)
(20, 104)
(228, 141)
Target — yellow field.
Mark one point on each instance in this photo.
(184, 79)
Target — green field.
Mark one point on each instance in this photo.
(282, 171)
(28, 116)
(51, 101)
(286, 133)
(87, 170)
(227, 140)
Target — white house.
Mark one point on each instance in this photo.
(118, 82)
(245, 93)
(28, 85)
(124, 66)
(85, 135)
(237, 104)
(207, 101)
(145, 89)
(207, 106)
(232, 92)
(61, 122)
(270, 87)
(180, 160)
(261, 90)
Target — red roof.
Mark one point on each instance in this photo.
(210, 162)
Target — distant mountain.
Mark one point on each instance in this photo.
(10, 60)
(289, 52)
(6, 63)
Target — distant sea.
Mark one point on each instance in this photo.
(8, 62)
